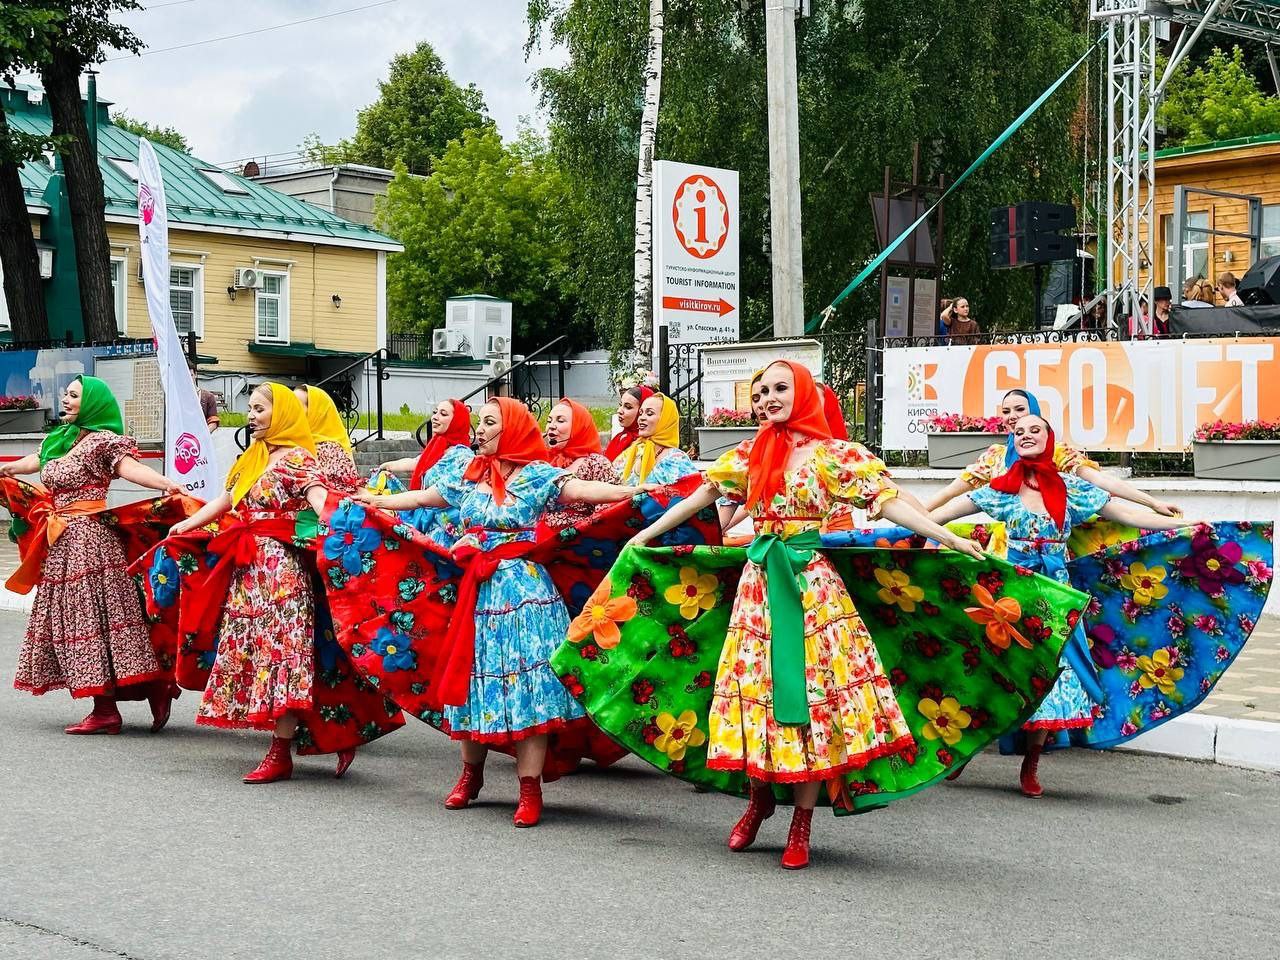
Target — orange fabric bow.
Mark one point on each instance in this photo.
(999, 616)
(48, 524)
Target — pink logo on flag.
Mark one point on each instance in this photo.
(186, 453)
(146, 203)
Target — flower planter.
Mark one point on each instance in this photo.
(714, 441)
(955, 451)
(1237, 459)
(22, 421)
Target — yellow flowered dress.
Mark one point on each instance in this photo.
(854, 716)
(991, 464)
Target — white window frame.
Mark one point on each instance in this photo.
(120, 294)
(197, 298)
(1189, 250)
(282, 334)
(1265, 241)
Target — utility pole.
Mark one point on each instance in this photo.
(784, 168)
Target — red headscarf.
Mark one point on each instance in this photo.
(520, 442)
(835, 416)
(1047, 479)
(458, 433)
(584, 437)
(772, 448)
(631, 434)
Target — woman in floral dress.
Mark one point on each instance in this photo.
(87, 633)
(442, 460)
(1039, 507)
(265, 664)
(1000, 457)
(801, 698)
(628, 411)
(655, 456)
(334, 458)
(574, 442)
(509, 617)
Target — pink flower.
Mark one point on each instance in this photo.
(1131, 610)
(1127, 729)
(1258, 570)
(1135, 690)
(1208, 623)
(1159, 711)
(1126, 660)
(1176, 626)
(1222, 654)
(1246, 622)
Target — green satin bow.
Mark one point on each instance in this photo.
(782, 561)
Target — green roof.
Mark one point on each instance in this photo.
(1218, 145)
(299, 350)
(194, 200)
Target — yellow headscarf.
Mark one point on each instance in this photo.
(666, 435)
(324, 419)
(288, 429)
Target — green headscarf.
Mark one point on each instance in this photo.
(99, 410)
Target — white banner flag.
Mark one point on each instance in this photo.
(188, 445)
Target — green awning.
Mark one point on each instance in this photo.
(299, 351)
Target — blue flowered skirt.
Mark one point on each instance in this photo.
(520, 621)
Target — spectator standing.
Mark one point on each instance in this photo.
(1227, 289)
(208, 402)
(1162, 297)
(961, 328)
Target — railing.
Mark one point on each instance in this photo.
(1004, 337)
(121, 344)
(356, 390)
(409, 347)
(519, 384)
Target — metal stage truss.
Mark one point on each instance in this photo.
(1133, 91)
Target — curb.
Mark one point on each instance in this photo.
(16, 601)
(1251, 744)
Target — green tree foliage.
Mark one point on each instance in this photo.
(419, 110)
(169, 136)
(1219, 100)
(493, 219)
(875, 77)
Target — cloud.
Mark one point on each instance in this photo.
(260, 95)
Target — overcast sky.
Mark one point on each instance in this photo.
(262, 94)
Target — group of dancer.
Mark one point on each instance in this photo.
(509, 596)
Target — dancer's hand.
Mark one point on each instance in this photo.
(965, 545)
(1166, 509)
(181, 527)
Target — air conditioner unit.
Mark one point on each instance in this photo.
(449, 342)
(498, 346)
(248, 278)
(498, 367)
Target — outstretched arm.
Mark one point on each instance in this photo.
(955, 510)
(210, 512)
(28, 464)
(409, 500)
(1120, 488)
(131, 470)
(403, 465)
(902, 513)
(576, 490)
(1133, 516)
(700, 499)
(956, 488)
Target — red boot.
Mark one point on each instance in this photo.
(1028, 776)
(529, 809)
(955, 774)
(796, 855)
(105, 718)
(467, 788)
(276, 765)
(345, 759)
(760, 807)
(160, 698)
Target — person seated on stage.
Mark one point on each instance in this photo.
(1227, 288)
(1197, 293)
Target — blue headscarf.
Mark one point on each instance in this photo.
(1033, 406)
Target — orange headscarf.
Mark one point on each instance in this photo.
(773, 444)
(584, 436)
(520, 442)
(835, 416)
(458, 433)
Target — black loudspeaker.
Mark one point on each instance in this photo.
(1029, 233)
(1260, 287)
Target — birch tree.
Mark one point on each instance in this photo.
(642, 324)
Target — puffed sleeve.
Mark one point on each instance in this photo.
(108, 450)
(852, 473)
(673, 465)
(1071, 459)
(729, 473)
(986, 468)
(596, 467)
(1084, 500)
(539, 484)
(298, 471)
(989, 501)
(446, 475)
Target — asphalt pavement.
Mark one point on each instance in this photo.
(150, 848)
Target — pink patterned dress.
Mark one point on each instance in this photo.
(337, 467)
(265, 663)
(591, 467)
(87, 632)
